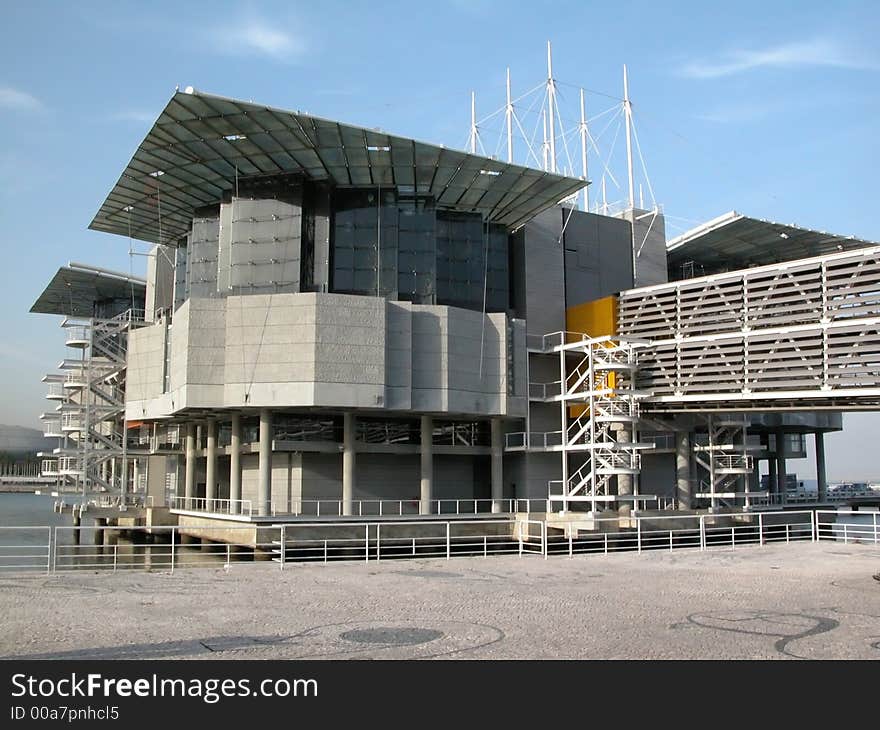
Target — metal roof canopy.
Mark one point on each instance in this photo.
(200, 143)
(735, 241)
(75, 288)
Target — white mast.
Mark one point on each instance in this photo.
(544, 143)
(551, 108)
(509, 115)
(584, 152)
(474, 123)
(627, 107)
(604, 198)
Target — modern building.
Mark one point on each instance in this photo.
(341, 321)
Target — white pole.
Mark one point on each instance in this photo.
(509, 121)
(584, 151)
(551, 102)
(474, 123)
(604, 198)
(627, 107)
(544, 145)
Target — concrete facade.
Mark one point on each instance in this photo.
(328, 350)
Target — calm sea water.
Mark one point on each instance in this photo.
(25, 521)
(29, 509)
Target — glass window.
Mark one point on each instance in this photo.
(402, 247)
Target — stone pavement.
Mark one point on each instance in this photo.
(784, 601)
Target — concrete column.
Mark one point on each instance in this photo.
(189, 489)
(235, 464)
(683, 469)
(497, 464)
(427, 452)
(821, 478)
(625, 481)
(780, 465)
(211, 463)
(264, 487)
(135, 474)
(348, 462)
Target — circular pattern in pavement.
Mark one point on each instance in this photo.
(392, 635)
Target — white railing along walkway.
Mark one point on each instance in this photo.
(65, 548)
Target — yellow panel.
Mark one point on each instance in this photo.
(594, 319)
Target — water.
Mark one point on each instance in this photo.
(25, 520)
(29, 509)
(23, 548)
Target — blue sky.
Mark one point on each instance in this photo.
(768, 108)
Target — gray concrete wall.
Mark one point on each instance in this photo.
(146, 362)
(658, 475)
(540, 468)
(598, 257)
(544, 273)
(337, 351)
(388, 476)
(649, 244)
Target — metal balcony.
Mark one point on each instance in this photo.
(75, 380)
(52, 428)
(71, 422)
(56, 392)
(78, 337)
(69, 466)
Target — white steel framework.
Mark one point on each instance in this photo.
(89, 419)
(799, 334)
(599, 407)
(723, 462)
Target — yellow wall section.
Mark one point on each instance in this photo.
(595, 319)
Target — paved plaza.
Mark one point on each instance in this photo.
(815, 601)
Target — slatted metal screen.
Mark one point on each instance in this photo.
(804, 331)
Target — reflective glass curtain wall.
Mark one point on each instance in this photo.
(428, 256)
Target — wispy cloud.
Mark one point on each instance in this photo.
(818, 52)
(16, 99)
(256, 37)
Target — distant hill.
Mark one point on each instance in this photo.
(17, 439)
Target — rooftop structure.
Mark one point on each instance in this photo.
(735, 241)
(202, 145)
(79, 290)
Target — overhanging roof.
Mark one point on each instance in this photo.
(735, 241)
(75, 288)
(200, 142)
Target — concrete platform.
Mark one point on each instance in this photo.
(803, 600)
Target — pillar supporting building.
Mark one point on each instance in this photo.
(211, 462)
(426, 492)
(235, 465)
(264, 486)
(348, 462)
